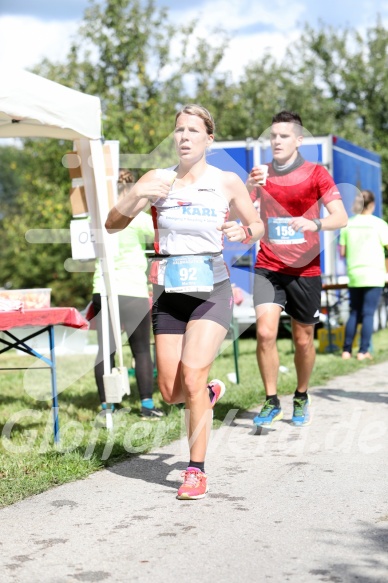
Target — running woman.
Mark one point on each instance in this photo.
(193, 300)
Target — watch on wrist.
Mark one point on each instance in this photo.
(318, 223)
(248, 235)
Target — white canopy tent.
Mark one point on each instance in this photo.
(31, 106)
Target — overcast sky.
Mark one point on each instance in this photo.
(33, 29)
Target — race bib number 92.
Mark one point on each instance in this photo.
(189, 273)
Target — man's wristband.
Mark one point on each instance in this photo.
(318, 223)
(248, 235)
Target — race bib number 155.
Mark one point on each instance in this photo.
(281, 233)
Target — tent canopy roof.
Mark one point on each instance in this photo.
(31, 106)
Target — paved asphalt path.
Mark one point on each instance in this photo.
(304, 505)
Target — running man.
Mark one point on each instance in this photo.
(287, 269)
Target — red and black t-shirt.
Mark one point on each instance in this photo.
(300, 192)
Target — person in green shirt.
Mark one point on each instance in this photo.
(130, 266)
(362, 243)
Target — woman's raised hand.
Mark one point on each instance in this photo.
(153, 189)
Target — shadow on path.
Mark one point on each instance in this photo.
(150, 468)
(334, 394)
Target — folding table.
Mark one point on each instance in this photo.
(45, 319)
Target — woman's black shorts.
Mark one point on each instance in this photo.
(172, 311)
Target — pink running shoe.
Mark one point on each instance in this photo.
(194, 485)
(216, 391)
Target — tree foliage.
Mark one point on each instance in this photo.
(143, 68)
(41, 203)
(351, 72)
(123, 54)
(12, 164)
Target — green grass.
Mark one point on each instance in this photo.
(29, 461)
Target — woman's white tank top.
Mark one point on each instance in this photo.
(185, 223)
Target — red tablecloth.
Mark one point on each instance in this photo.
(46, 317)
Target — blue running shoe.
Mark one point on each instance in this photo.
(301, 415)
(269, 413)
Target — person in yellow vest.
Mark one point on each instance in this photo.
(130, 266)
(362, 243)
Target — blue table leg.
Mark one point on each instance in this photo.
(54, 389)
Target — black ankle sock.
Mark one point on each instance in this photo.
(299, 395)
(199, 465)
(274, 399)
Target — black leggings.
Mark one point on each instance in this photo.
(136, 320)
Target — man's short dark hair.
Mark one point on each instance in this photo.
(287, 117)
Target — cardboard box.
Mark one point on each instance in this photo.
(108, 160)
(111, 194)
(79, 205)
(337, 339)
(73, 163)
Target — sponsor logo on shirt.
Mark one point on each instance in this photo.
(200, 212)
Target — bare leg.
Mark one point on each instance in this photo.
(168, 363)
(303, 336)
(267, 323)
(202, 341)
(184, 363)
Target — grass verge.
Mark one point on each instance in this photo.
(29, 461)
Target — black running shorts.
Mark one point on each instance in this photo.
(172, 311)
(299, 296)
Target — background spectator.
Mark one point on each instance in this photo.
(362, 244)
(130, 266)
